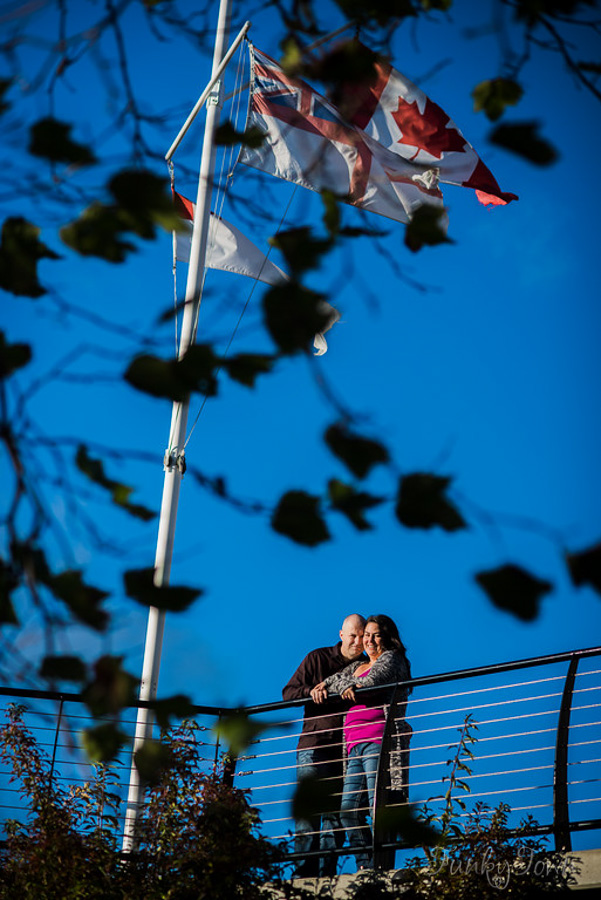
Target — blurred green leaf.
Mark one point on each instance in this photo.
(585, 567)
(176, 707)
(111, 688)
(493, 96)
(140, 586)
(514, 590)
(522, 138)
(422, 503)
(297, 517)
(246, 367)
(12, 356)
(331, 212)
(98, 232)
(226, 135)
(359, 454)
(238, 731)
(63, 668)
(426, 228)
(144, 201)
(293, 316)
(50, 139)
(152, 759)
(20, 252)
(103, 742)
(351, 503)
(120, 493)
(82, 599)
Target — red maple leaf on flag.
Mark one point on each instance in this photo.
(428, 130)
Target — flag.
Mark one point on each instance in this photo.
(401, 118)
(309, 143)
(229, 250)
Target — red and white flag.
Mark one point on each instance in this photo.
(401, 118)
(230, 251)
(309, 143)
(227, 248)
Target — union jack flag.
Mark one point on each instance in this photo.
(309, 143)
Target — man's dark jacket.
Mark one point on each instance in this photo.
(319, 730)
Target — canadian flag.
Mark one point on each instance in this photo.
(400, 117)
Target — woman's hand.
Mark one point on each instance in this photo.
(319, 693)
(349, 694)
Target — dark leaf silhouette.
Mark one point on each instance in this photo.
(120, 493)
(175, 379)
(422, 503)
(293, 316)
(585, 567)
(140, 586)
(313, 796)
(63, 668)
(98, 232)
(300, 249)
(5, 84)
(493, 96)
(176, 707)
(152, 759)
(246, 367)
(400, 820)
(513, 589)
(50, 139)
(522, 138)
(226, 135)
(82, 599)
(103, 743)
(144, 201)
(8, 583)
(111, 688)
(12, 356)
(426, 228)
(351, 503)
(359, 454)
(20, 252)
(376, 11)
(297, 517)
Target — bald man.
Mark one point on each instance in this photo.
(319, 750)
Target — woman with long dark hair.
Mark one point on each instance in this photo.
(364, 725)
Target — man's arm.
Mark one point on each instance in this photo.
(302, 681)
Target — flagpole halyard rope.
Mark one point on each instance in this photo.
(241, 316)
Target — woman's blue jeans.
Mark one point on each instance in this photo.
(360, 777)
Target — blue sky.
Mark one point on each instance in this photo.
(490, 376)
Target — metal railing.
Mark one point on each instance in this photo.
(538, 750)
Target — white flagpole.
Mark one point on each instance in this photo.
(174, 456)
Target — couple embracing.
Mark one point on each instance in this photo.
(344, 732)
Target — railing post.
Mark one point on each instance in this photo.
(58, 728)
(561, 815)
(383, 859)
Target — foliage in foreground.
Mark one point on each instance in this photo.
(198, 837)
